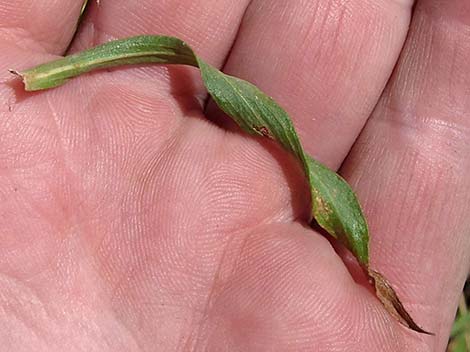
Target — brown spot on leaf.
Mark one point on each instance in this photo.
(387, 295)
(263, 130)
(321, 207)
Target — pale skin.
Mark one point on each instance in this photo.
(135, 218)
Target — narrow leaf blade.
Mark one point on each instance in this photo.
(334, 205)
(138, 50)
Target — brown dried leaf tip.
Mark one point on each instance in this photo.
(387, 295)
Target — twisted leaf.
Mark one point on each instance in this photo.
(334, 205)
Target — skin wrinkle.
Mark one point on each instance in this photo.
(126, 326)
(197, 332)
(88, 326)
(33, 301)
(205, 316)
(74, 214)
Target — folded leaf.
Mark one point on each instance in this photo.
(334, 205)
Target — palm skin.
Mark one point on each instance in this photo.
(129, 222)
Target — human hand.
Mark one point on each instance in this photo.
(130, 222)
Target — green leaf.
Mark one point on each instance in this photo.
(334, 205)
(459, 344)
(461, 325)
(143, 49)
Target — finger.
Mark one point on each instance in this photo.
(410, 167)
(43, 26)
(209, 26)
(325, 62)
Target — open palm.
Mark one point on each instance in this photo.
(131, 222)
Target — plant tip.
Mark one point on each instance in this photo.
(14, 72)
